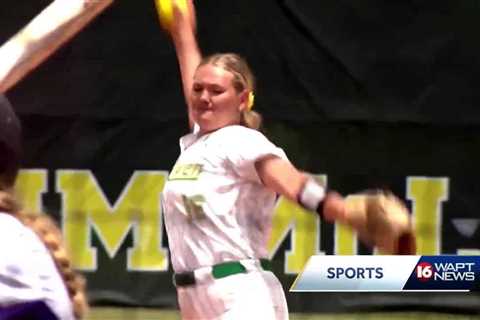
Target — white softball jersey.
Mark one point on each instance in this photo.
(27, 270)
(216, 208)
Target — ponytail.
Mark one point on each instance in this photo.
(251, 119)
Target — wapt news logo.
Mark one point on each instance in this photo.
(445, 273)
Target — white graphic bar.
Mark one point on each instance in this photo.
(355, 273)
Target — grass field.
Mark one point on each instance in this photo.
(106, 313)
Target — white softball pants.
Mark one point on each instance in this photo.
(253, 295)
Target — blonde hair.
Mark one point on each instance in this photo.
(243, 79)
(48, 232)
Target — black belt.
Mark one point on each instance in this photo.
(219, 271)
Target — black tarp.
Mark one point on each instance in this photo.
(368, 92)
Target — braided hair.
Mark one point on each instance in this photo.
(41, 224)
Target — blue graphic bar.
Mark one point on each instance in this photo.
(445, 273)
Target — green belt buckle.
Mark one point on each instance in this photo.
(223, 270)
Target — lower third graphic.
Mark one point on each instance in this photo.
(390, 273)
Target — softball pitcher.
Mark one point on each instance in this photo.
(220, 195)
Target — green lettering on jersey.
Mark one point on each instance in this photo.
(194, 206)
(189, 171)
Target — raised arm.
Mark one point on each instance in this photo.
(182, 30)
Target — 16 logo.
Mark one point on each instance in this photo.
(424, 271)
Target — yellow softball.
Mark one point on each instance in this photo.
(165, 11)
